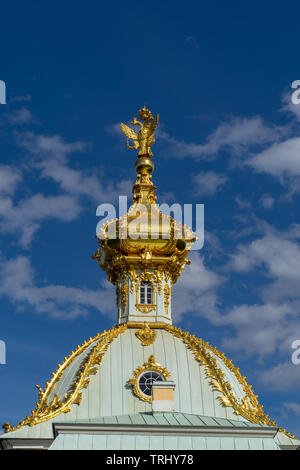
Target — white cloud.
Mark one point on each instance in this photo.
(21, 98)
(236, 136)
(196, 289)
(289, 106)
(20, 116)
(267, 201)
(284, 376)
(280, 160)
(279, 254)
(51, 159)
(17, 282)
(24, 218)
(51, 146)
(293, 407)
(115, 130)
(242, 203)
(49, 156)
(10, 178)
(272, 325)
(260, 329)
(208, 183)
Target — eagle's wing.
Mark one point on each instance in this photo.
(128, 132)
(154, 123)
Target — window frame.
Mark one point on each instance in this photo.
(146, 293)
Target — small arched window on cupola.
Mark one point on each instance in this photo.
(146, 293)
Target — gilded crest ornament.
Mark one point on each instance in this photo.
(145, 137)
(146, 335)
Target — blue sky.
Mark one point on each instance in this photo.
(220, 76)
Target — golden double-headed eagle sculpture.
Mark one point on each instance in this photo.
(145, 137)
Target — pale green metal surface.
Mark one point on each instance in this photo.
(166, 419)
(110, 394)
(143, 442)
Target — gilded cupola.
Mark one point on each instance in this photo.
(144, 251)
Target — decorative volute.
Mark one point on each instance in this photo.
(144, 251)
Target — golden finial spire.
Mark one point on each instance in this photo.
(144, 247)
(143, 190)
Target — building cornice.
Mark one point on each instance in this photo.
(166, 430)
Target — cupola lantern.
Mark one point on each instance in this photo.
(143, 252)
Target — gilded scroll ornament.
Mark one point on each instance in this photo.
(146, 335)
(145, 308)
(132, 275)
(166, 298)
(124, 295)
(248, 407)
(47, 409)
(159, 275)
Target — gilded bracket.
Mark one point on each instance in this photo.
(146, 335)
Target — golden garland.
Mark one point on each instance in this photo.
(44, 410)
(167, 298)
(249, 406)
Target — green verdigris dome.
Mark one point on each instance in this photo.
(92, 386)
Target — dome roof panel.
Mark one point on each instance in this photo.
(94, 381)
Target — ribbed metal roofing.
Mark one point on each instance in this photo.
(165, 419)
(109, 396)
